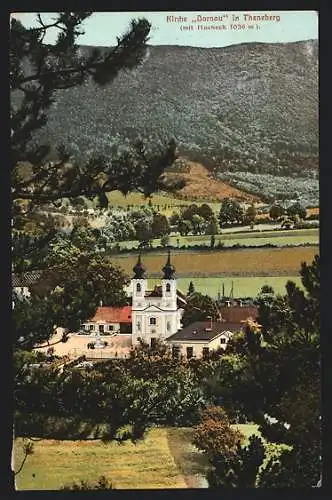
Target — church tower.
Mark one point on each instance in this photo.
(139, 286)
(172, 315)
(168, 285)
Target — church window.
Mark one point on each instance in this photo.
(168, 287)
(138, 288)
(153, 321)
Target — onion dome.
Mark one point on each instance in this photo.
(139, 269)
(168, 269)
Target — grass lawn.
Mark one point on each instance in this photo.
(148, 464)
(165, 459)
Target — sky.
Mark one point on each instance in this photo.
(187, 28)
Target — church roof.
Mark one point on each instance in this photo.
(156, 292)
(199, 331)
(112, 315)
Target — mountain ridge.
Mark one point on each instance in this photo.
(249, 107)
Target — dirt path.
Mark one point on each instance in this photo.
(188, 459)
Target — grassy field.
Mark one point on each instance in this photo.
(164, 459)
(242, 262)
(149, 464)
(167, 204)
(278, 238)
(243, 286)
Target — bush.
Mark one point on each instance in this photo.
(83, 485)
(214, 435)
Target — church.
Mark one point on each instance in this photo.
(157, 313)
(153, 314)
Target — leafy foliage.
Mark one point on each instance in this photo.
(240, 469)
(83, 485)
(73, 282)
(230, 213)
(198, 307)
(214, 434)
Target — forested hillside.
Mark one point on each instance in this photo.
(248, 107)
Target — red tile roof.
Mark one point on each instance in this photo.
(113, 314)
(238, 314)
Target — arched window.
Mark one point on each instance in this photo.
(138, 288)
(168, 287)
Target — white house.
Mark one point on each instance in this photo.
(109, 321)
(201, 338)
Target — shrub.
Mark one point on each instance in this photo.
(82, 485)
(214, 435)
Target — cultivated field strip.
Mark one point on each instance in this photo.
(242, 262)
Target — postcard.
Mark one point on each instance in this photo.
(165, 258)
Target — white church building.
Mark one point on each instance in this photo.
(157, 313)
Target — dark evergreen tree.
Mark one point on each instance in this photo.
(191, 288)
(37, 72)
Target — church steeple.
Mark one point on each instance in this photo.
(139, 269)
(168, 269)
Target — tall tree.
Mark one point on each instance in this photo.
(37, 72)
(198, 307)
(276, 211)
(296, 210)
(160, 226)
(230, 213)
